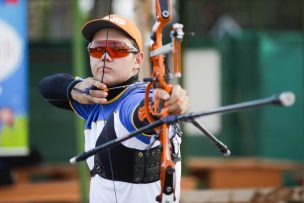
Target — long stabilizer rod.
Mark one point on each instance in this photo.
(284, 99)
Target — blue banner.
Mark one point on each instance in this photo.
(13, 78)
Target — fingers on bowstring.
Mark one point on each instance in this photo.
(99, 85)
(96, 100)
(98, 93)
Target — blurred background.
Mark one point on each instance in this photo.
(233, 51)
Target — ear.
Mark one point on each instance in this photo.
(138, 61)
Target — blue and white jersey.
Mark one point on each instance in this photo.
(122, 107)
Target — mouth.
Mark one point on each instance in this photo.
(104, 69)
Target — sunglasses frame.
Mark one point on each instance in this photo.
(131, 48)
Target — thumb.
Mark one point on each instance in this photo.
(161, 94)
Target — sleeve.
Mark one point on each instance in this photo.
(82, 110)
(56, 89)
(129, 116)
(140, 123)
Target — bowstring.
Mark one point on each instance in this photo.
(102, 107)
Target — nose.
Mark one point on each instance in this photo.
(106, 56)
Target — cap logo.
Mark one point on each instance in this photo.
(115, 19)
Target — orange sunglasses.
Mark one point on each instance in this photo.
(116, 49)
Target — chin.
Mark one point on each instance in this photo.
(108, 82)
(102, 78)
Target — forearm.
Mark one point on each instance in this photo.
(56, 89)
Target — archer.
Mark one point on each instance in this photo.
(109, 101)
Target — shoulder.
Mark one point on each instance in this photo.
(134, 94)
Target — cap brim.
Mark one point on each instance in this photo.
(89, 29)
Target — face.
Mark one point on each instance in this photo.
(113, 71)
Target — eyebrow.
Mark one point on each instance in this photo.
(128, 42)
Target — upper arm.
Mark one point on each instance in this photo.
(129, 116)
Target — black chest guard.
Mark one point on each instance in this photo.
(129, 165)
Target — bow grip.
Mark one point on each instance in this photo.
(159, 109)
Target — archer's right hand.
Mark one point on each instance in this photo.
(83, 92)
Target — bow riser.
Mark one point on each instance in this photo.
(167, 167)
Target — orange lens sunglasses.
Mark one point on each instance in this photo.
(116, 49)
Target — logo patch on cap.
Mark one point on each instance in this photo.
(115, 19)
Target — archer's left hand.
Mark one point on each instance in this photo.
(177, 102)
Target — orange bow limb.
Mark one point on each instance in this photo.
(167, 169)
(157, 109)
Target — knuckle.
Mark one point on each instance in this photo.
(177, 86)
